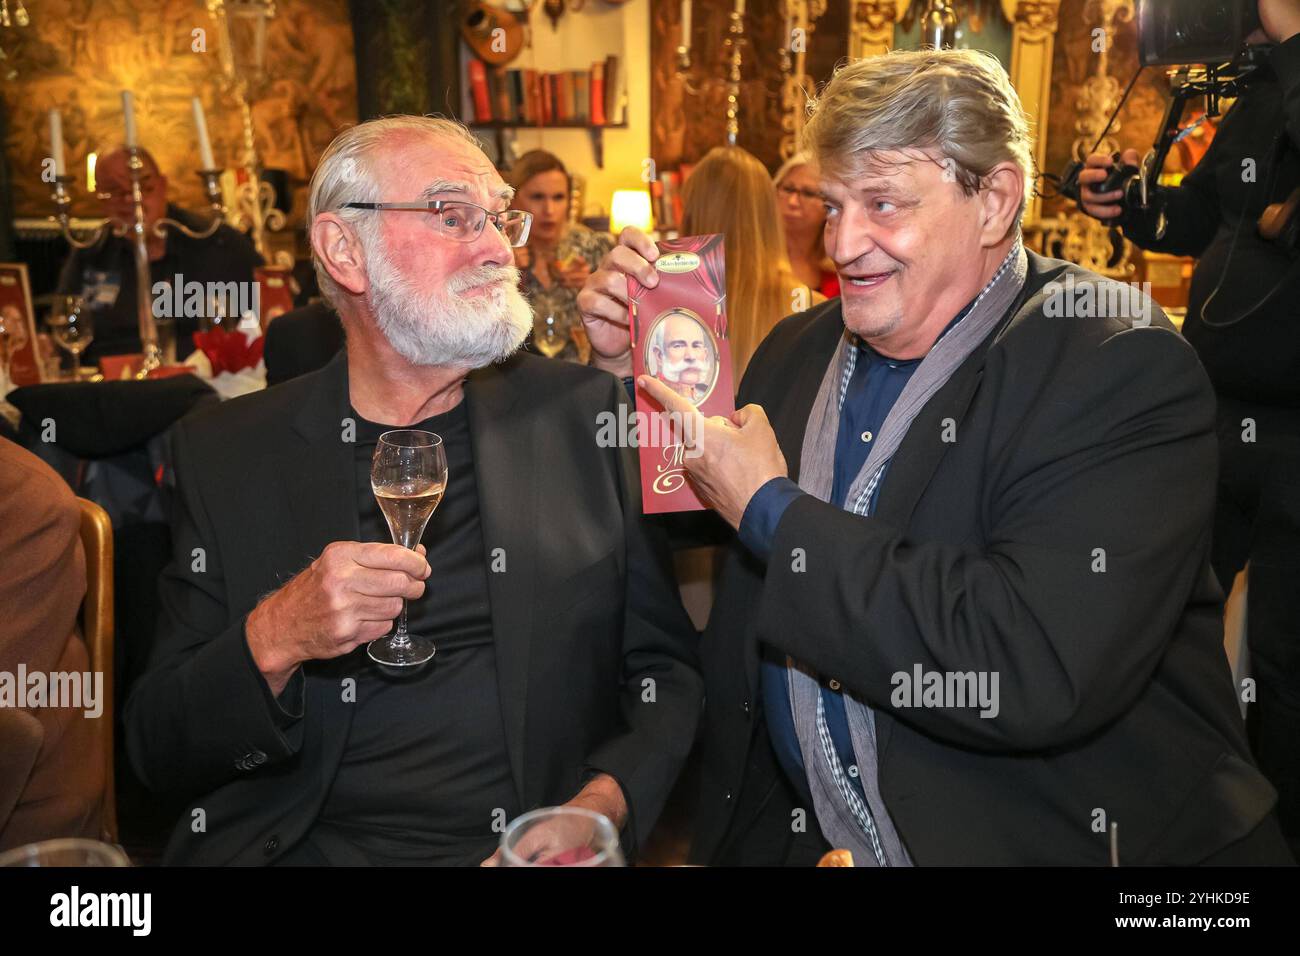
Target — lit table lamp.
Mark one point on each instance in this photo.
(630, 207)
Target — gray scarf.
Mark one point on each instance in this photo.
(846, 821)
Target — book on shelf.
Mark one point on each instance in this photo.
(613, 94)
(598, 94)
(479, 90)
(581, 96)
(529, 97)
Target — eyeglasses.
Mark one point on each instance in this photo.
(462, 221)
(807, 195)
(109, 193)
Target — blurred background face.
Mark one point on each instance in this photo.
(546, 196)
(113, 188)
(800, 201)
(684, 359)
(905, 240)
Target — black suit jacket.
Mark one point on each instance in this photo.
(1071, 434)
(586, 615)
(301, 341)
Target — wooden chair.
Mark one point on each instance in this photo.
(97, 629)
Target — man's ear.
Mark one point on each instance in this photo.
(337, 246)
(1002, 193)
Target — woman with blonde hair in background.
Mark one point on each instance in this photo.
(729, 192)
(803, 214)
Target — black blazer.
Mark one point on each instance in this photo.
(1071, 434)
(585, 612)
(301, 341)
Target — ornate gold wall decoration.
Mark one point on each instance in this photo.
(872, 26)
(802, 15)
(1032, 42)
(80, 57)
(1071, 234)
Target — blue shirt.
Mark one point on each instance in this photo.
(873, 389)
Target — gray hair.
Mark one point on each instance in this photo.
(801, 158)
(959, 102)
(345, 174)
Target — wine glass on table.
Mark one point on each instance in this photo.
(72, 327)
(561, 836)
(547, 338)
(408, 476)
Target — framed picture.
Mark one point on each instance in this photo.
(25, 365)
(274, 291)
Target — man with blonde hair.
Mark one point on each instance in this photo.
(564, 671)
(968, 616)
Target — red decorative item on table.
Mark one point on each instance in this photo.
(229, 351)
(679, 335)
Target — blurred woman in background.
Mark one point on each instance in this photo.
(559, 256)
(729, 192)
(804, 217)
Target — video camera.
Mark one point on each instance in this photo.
(1206, 39)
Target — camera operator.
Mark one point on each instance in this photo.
(1243, 319)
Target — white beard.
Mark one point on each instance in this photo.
(672, 371)
(444, 328)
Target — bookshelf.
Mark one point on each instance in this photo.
(567, 81)
(597, 131)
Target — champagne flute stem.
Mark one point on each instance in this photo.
(400, 636)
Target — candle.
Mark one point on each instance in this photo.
(56, 142)
(686, 23)
(205, 144)
(128, 111)
(740, 8)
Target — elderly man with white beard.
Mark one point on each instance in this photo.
(682, 356)
(564, 671)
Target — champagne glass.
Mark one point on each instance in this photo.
(72, 327)
(548, 339)
(408, 476)
(65, 852)
(561, 836)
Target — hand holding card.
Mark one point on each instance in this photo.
(679, 339)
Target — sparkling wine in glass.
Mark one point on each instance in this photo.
(408, 476)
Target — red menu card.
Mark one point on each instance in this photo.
(679, 335)
(25, 366)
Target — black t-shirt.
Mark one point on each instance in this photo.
(105, 277)
(425, 772)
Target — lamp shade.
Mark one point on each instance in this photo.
(630, 207)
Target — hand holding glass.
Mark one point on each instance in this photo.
(408, 476)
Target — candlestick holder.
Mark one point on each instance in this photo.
(212, 186)
(137, 231)
(695, 85)
(736, 38)
(800, 15)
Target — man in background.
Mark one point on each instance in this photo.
(1243, 319)
(104, 275)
